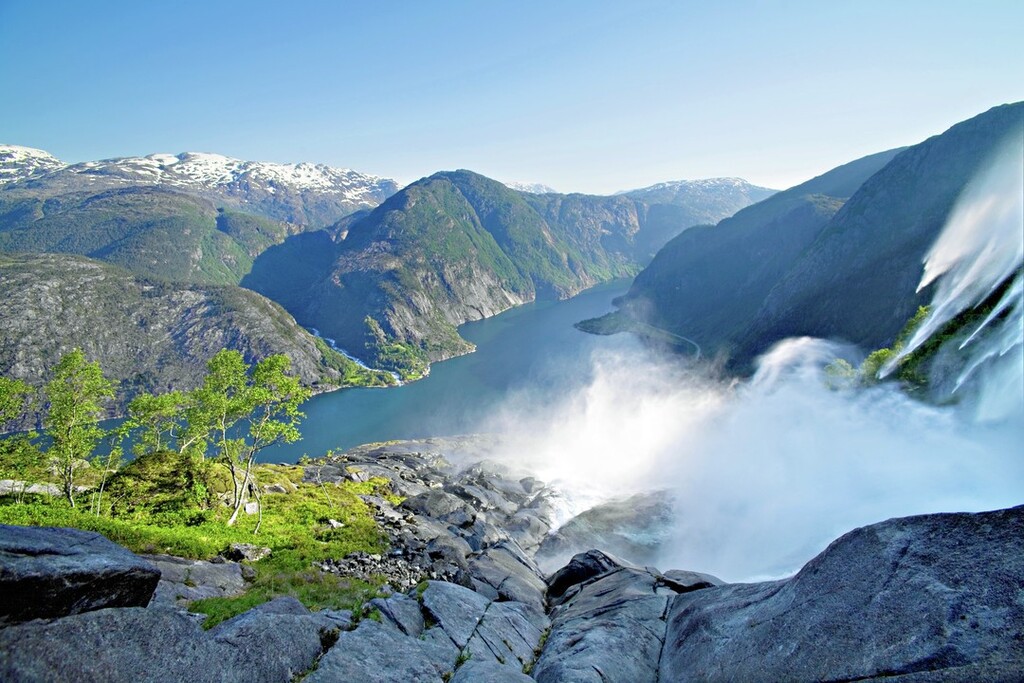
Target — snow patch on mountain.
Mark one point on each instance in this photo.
(532, 188)
(18, 163)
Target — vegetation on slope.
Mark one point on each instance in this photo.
(182, 493)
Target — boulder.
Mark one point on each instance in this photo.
(51, 572)
(374, 653)
(182, 580)
(475, 671)
(237, 552)
(275, 641)
(582, 568)
(114, 645)
(455, 609)
(611, 630)
(935, 597)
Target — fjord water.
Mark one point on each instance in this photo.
(529, 349)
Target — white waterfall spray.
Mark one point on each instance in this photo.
(980, 248)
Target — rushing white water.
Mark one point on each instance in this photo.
(980, 248)
(334, 346)
(765, 472)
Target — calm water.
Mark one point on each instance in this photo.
(533, 349)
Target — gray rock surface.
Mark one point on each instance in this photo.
(935, 597)
(274, 641)
(374, 653)
(488, 672)
(113, 646)
(633, 529)
(50, 572)
(611, 630)
(183, 580)
(455, 609)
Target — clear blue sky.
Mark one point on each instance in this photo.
(582, 95)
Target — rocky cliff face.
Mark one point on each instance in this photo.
(839, 256)
(926, 598)
(148, 335)
(456, 247)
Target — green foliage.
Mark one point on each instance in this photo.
(295, 528)
(408, 361)
(76, 395)
(20, 458)
(159, 482)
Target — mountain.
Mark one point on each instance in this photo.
(152, 231)
(454, 247)
(148, 335)
(858, 280)
(20, 163)
(838, 256)
(733, 265)
(532, 188)
(309, 195)
(706, 200)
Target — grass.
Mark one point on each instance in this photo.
(295, 527)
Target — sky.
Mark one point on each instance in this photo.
(584, 96)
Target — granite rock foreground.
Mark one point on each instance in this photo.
(928, 598)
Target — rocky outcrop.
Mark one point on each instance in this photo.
(46, 573)
(930, 598)
(149, 336)
(936, 597)
(183, 580)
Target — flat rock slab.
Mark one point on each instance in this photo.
(51, 572)
(455, 609)
(935, 597)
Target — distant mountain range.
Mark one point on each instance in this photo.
(389, 275)
(309, 195)
(839, 256)
(458, 246)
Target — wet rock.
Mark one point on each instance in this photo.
(51, 572)
(632, 529)
(935, 597)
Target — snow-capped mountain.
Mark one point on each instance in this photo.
(532, 188)
(18, 163)
(304, 193)
(671, 191)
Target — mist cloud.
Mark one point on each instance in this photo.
(764, 472)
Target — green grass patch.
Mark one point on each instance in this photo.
(295, 527)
